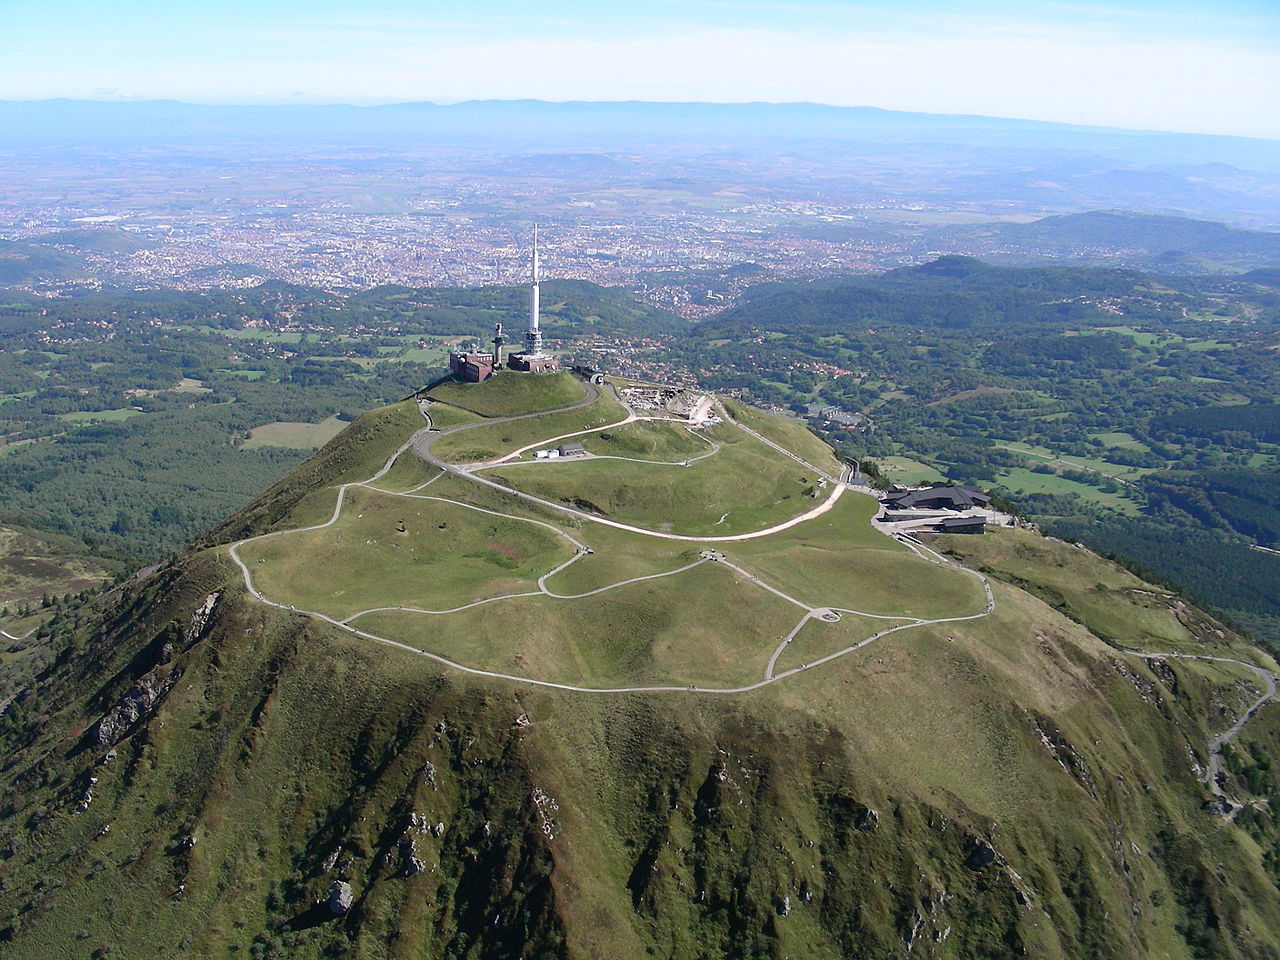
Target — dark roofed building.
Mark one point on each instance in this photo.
(963, 525)
(940, 496)
(571, 449)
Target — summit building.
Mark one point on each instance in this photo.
(477, 364)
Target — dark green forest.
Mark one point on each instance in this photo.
(1132, 412)
(124, 416)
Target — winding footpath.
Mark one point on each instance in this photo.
(422, 441)
(1269, 681)
(420, 445)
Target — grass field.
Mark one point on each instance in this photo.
(745, 486)
(255, 333)
(393, 550)
(838, 560)
(818, 639)
(100, 416)
(1021, 480)
(907, 472)
(491, 441)
(509, 392)
(723, 632)
(1120, 440)
(435, 355)
(1097, 465)
(648, 440)
(295, 436)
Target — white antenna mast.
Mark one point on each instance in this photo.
(533, 339)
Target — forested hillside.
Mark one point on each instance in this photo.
(134, 421)
(1131, 411)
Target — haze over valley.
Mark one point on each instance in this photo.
(686, 204)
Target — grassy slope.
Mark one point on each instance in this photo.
(796, 437)
(744, 487)
(647, 440)
(1109, 600)
(444, 556)
(34, 564)
(838, 560)
(676, 825)
(495, 440)
(630, 635)
(509, 392)
(304, 495)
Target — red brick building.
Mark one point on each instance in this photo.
(471, 365)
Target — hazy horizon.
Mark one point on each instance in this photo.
(1133, 64)
(374, 103)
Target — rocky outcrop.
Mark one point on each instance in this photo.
(981, 857)
(144, 696)
(199, 621)
(340, 898)
(140, 701)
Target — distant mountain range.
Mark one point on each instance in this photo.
(1176, 245)
(605, 124)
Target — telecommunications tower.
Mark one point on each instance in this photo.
(532, 358)
(533, 339)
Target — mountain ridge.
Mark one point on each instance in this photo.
(67, 119)
(892, 801)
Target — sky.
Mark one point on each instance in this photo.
(1180, 65)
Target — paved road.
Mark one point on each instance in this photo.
(423, 440)
(420, 444)
(1269, 681)
(783, 450)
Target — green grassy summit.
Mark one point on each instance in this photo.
(508, 392)
(743, 485)
(514, 727)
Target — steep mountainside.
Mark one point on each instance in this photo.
(206, 770)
